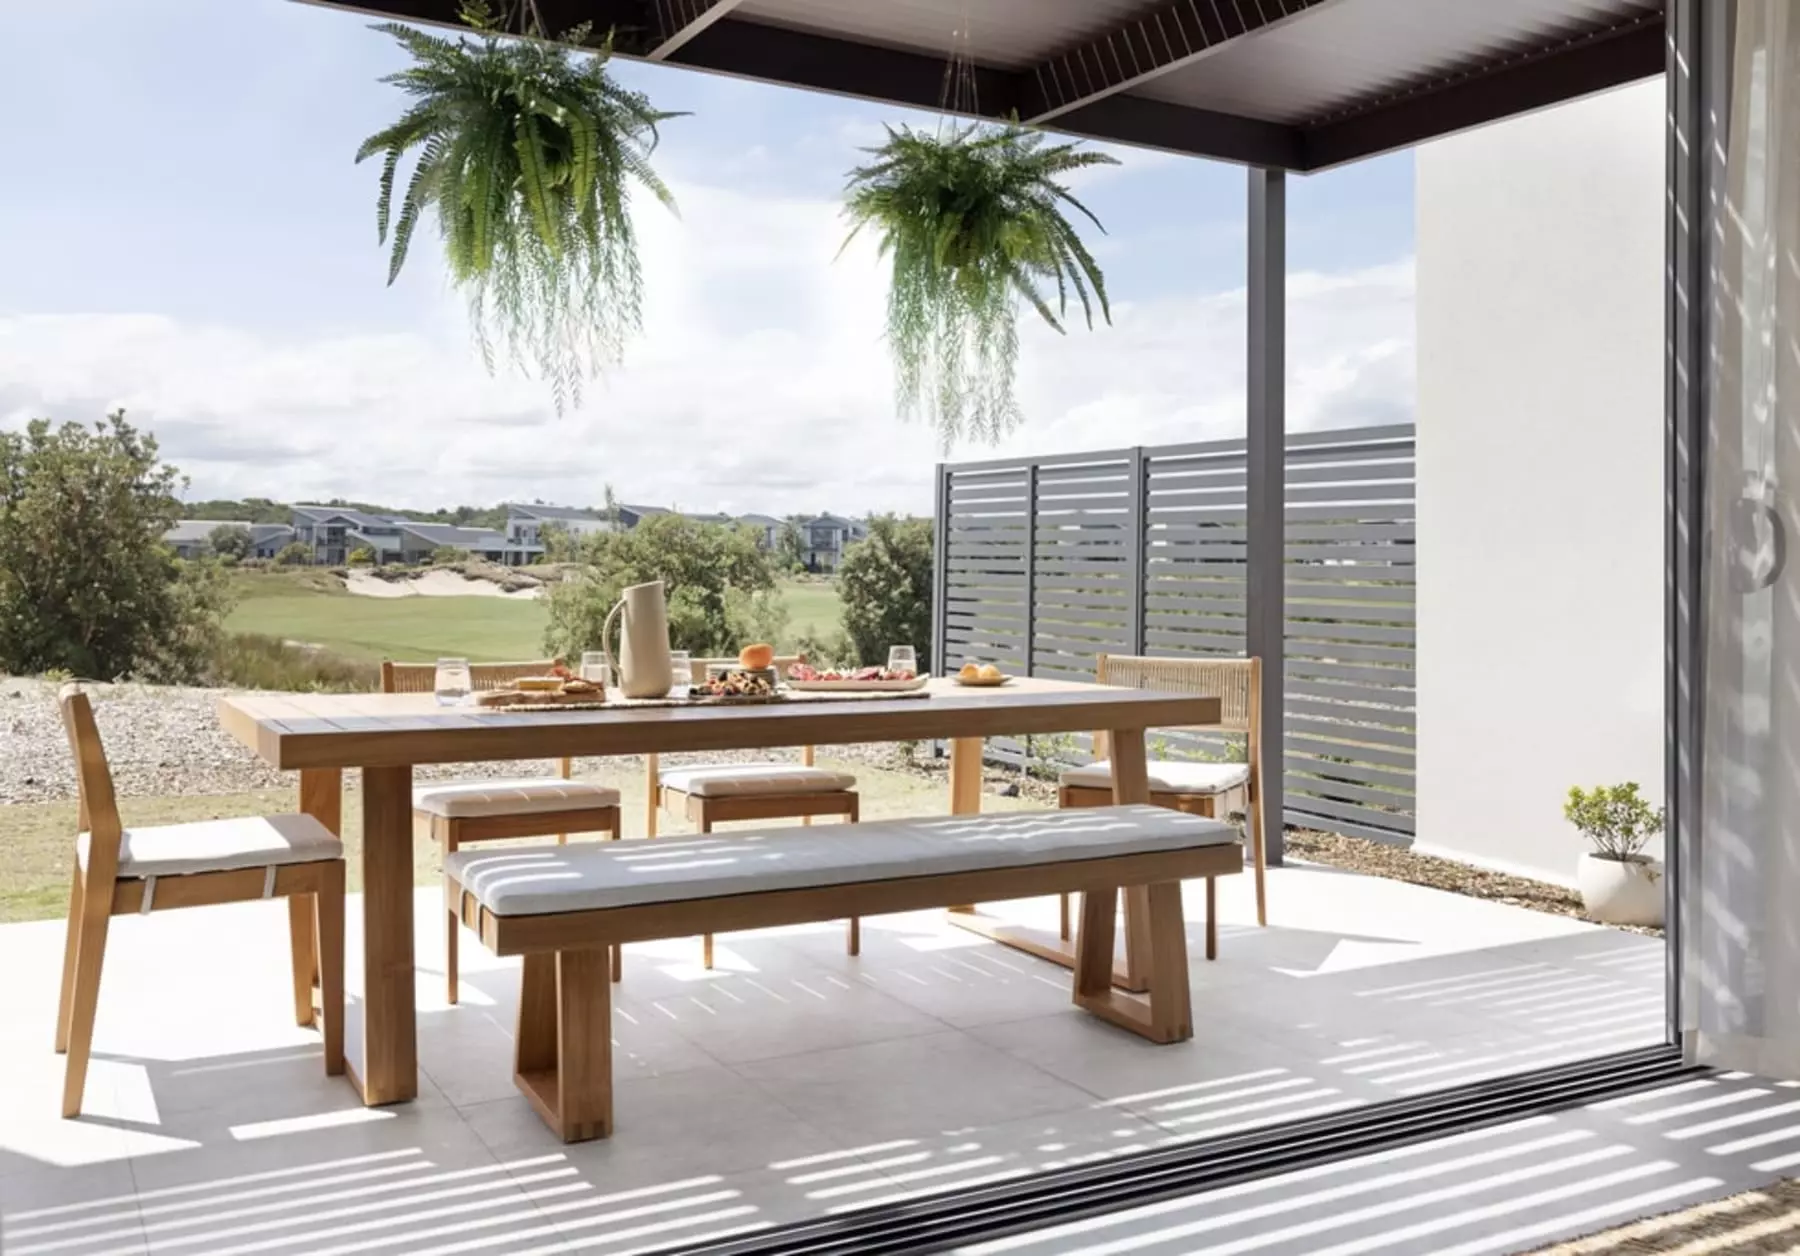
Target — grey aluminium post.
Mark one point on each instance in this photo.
(1265, 522)
(940, 573)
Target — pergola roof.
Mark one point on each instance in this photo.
(1288, 84)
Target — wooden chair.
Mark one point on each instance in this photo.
(453, 813)
(1199, 788)
(144, 870)
(720, 793)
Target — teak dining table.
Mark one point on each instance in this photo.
(386, 735)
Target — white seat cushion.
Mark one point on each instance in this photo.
(461, 799)
(531, 881)
(171, 850)
(745, 780)
(1166, 776)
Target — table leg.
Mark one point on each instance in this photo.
(390, 1063)
(965, 799)
(1131, 784)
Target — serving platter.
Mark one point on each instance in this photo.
(859, 686)
(982, 682)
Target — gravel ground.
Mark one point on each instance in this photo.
(164, 740)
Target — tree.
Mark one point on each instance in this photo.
(790, 547)
(294, 554)
(361, 556)
(230, 540)
(885, 584)
(86, 584)
(721, 587)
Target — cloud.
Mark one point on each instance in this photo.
(760, 383)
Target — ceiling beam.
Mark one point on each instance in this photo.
(680, 20)
(1590, 62)
(1174, 34)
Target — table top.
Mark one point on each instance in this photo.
(293, 731)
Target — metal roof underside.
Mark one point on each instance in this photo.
(1290, 84)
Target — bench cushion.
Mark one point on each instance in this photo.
(1166, 776)
(534, 881)
(461, 799)
(220, 845)
(756, 780)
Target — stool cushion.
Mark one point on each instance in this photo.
(170, 850)
(1166, 776)
(458, 800)
(541, 880)
(744, 780)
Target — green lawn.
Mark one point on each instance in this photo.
(310, 606)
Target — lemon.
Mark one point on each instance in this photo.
(988, 672)
(970, 671)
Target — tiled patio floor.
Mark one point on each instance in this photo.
(790, 1082)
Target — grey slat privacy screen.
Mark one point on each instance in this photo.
(1044, 563)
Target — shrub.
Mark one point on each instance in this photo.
(446, 556)
(252, 661)
(361, 556)
(86, 584)
(1616, 819)
(230, 540)
(721, 587)
(885, 583)
(293, 555)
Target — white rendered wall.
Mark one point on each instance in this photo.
(1540, 466)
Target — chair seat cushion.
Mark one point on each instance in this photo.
(1166, 776)
(220, 845)
(457, 800)
(744, 780)
(542, 880)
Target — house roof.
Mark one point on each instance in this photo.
(537, 510)
(759, 521)
(356, 518)
(646, 512)
(195, 531)
(460, 538)
(833, 521)
(1287, 84)
(263, 533)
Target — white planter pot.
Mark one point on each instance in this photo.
(1619, 892)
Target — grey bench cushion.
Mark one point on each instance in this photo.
(535, 881)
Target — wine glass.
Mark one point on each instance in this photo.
(681, 672)
(453, 682)
(903, 658)
(594, 667)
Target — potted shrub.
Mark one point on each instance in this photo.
(1620, 885)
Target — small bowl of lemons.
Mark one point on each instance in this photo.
(980, 675)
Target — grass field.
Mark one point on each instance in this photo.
(311, 606)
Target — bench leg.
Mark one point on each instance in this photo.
(705, 825)
(447, 844)
(1163, 1014)
(563, 1051)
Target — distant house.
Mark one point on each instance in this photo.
(826, 539)
(331, 532)
(631, 516)
(525, 526)
(269, 539)
(419, 541)
(192, 538)
(767, 529)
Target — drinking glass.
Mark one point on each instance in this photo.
(681, 672)
(453, 682)
(903, 658)
(594, 668)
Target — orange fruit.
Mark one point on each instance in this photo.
(756, 657)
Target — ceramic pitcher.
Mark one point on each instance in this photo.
(642, 661)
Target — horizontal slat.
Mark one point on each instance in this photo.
(1356, 695)
(1160, 639)
(1305, 749)
(1317, 631)
(1349, 828)
(1305, 805)
(1400, 678)
(1398, 781)
(1339, 651)
(1349, 789)
(1362, 717)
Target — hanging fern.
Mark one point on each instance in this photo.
(528, 152)
(973, 223)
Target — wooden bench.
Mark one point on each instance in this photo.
(563, 909)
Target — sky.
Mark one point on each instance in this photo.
(188, 237)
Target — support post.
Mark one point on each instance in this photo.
(1266, 418)
(1031, 527)
(1137, 512)
(937, 657)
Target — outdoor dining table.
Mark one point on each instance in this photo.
(386, 735)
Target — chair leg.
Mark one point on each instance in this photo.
(452, 923)
(1062, 913)
(854, 814)
(1212, 918)
(71, 944)
(706, 940)
(328, 921)
(84, 998)
(1254, 820)
(303, 945)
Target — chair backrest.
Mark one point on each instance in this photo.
(781, 664)
(99, 809)
(422, 677)
(1235, 682)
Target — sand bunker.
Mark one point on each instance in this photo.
(430, 584)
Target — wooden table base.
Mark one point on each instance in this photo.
(1042, 944)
